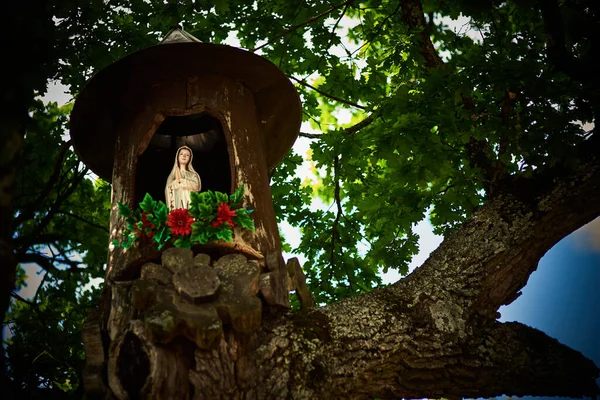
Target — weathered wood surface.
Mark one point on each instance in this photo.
(275, 285)
(185, 303)
(94, 350)
(433, 334)
(298, 283)
(237, 303)
(197, 283)
(157, 272)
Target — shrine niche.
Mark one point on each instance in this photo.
(203, 134)
(187, 133)
(238, 113)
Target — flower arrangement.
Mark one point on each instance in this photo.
(211, 216)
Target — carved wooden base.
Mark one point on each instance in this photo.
(151, 334)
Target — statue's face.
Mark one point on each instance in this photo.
(184, 157)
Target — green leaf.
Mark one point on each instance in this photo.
(204, 236)
(221, 6)
(225, 234)
(162, 235)
(183, 241)
(202, 211)
(207, 197)
(124, 210)
(152, 219)
(243, 219)
(198, 228)
(221, 197)
(206, 212)
(237, 196)
(196, 197)
(148, 204)
(127, 243)
(161, 212)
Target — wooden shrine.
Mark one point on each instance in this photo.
(239, 115)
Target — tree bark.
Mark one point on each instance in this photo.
(433, 334)
(11, 137)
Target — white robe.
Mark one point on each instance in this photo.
(178, 191)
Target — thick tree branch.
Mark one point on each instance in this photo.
(374, 347)
(434, 332)
(501, 244)
(412, 14)
(544, 365)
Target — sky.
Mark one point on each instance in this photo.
(562, 297)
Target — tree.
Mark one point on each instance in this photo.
(60, 225)
(41, 198)
(486, 134)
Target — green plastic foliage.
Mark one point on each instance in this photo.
(243, 219)
(148, 204)
(222, 197)
(236, 197)
(150, 220)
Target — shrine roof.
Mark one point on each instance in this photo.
(119, 88)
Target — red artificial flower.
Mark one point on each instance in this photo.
(224, 215)
(145, 225)
(180, 221)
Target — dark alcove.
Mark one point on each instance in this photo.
(204, 135)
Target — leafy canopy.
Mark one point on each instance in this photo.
(440, 119)
(61, 225)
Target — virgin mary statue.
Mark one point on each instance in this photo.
(182, 180)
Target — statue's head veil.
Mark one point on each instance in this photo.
(175, 171)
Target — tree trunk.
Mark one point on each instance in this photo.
(433, 334)
(11, 136)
